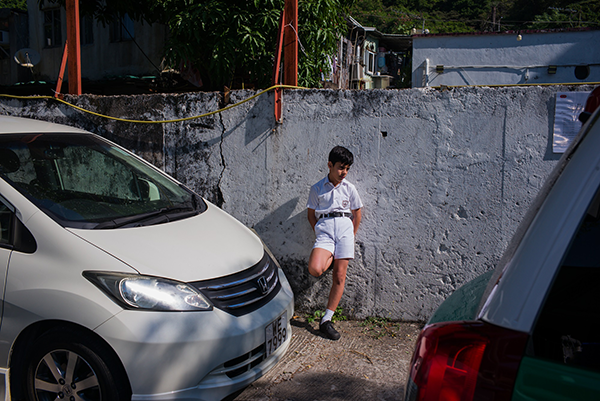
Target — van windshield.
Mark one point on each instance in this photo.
(83, 181)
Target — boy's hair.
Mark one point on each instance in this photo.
(342, 155)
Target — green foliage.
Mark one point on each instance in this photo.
(223, 39)
(446, 16)
(233, 41)
(317, 315)
(321, 24)
(14, 4)
(230, 41)
(379, 327)
(574, 15)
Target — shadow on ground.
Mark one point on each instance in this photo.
(369, 362)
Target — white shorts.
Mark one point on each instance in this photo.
(336, 235)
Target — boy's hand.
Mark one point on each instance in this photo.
(356, 217)
(312, 218)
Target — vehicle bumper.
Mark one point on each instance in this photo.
(195, 355)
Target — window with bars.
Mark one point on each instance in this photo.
(122, 29)
(52, 28)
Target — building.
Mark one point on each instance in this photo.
(124, 48)
(369, 59)
(507, 58)
(14, 35)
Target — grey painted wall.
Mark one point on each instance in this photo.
(445, 176)
(505, 58)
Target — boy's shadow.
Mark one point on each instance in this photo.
(303, 324)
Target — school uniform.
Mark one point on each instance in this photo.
(333, 207)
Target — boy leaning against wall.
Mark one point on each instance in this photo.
(334, 212)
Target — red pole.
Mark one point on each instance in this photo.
(276, 67)
(73, 43)
(290, 45)
(61, 74)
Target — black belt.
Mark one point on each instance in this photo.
(335, 214)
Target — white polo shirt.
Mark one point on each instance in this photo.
(325, 198)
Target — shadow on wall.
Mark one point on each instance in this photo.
(257, 125)
(289, 234)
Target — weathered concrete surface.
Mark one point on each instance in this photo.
(445, 176)
(369, 362)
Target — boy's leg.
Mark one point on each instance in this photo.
(340, 266)
(319, 261)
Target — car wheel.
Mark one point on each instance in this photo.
(63, 365)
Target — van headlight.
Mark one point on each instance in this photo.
(134, 291)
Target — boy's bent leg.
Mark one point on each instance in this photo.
(319, 261)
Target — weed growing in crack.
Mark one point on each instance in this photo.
(380, 327)
(317, 315)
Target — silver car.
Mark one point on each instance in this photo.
(120, 283)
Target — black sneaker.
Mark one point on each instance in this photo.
(329, 331)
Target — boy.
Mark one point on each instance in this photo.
(334, 212)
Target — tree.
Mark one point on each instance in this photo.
(14, 4)
(229, 41)
(447, 16)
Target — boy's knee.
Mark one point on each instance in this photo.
(314, 272)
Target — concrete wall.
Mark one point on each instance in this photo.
(445, 176)
(505, 58)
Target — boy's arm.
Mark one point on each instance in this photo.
(356, 218)
(312, 218)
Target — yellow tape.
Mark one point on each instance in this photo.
(154, 122)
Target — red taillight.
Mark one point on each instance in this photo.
(591, 104)
(465, 361)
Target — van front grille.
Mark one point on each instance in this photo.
(242, 364)
(244, 292)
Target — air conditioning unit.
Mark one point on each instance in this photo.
(358, 72)
(4, 38)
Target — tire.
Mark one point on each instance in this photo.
(69, 365)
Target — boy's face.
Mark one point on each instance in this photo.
(337, 172)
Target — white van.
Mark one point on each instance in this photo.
(119, 283)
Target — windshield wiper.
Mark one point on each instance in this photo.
(175, 213)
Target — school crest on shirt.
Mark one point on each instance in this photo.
(345, 203)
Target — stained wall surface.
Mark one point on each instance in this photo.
(445, 176)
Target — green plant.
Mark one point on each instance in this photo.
(380, 327)
(338, 315)
(317, 315)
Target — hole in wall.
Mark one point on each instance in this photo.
(582, 71)
(384, 133)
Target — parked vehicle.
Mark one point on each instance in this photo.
(527, 330)
(120, 283)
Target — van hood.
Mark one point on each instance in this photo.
(209, 245)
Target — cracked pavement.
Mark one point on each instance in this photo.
(369, 362)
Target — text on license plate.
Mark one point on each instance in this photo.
(276, 334)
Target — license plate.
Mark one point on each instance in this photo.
(275, 334)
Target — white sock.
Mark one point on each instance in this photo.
(328, 316)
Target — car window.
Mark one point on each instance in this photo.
(5, 224)
(566, 329)
(82, 181)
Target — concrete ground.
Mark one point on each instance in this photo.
(369, 362)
